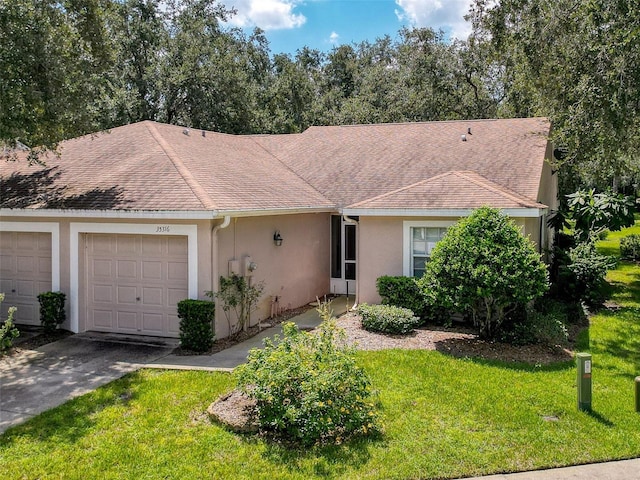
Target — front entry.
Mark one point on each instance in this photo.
(343, 256)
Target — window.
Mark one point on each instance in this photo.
(423, 239)
(419, 240)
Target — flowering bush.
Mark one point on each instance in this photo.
(308, 387)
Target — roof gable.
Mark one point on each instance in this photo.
(456, 190)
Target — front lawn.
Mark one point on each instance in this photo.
(444, 418)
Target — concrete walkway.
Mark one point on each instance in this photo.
(622, 470)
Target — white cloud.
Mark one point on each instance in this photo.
(266, 14)
(333, 38)
(436, 14)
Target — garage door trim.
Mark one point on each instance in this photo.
(41, 227)
(190, 231)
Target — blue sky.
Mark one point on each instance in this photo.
(323, 24)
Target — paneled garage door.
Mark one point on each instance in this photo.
(25, 271)
(134, 283)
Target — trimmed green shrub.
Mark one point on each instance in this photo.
(486, 268)
(401, 292)
(308, 387)
(196, 324)
(52, 311)
(387, 319)
(630, 247)
(8, 331)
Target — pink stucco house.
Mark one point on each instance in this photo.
(129, 222)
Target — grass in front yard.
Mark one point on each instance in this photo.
(444, 418)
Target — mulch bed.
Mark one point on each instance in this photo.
(455, 341)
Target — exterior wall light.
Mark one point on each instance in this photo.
(277, 238)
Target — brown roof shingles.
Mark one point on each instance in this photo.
(152, 166)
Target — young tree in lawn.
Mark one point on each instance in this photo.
(484, 267)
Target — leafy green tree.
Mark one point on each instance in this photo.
(52, 57)
(484, 267)
(577, 62)
(593, 213)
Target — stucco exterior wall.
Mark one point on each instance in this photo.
(296, 272)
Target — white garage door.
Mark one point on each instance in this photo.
(134, 283)
(25, 271)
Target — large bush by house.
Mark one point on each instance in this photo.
(387, 319)
(484, 267)
(308, 387)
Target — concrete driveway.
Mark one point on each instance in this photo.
(37, 380)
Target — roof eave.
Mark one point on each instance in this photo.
(257, 212)
(124, 214)
(522, 212)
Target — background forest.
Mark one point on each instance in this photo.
(72, 67)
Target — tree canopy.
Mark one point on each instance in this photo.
(69, 67)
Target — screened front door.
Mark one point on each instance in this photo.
(343, 256)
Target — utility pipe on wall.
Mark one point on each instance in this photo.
(215, 271)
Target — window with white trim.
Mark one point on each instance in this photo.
(419, 240)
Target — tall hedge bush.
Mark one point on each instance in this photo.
(196, 324)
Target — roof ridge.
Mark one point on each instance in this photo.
(204, 198)
(253, 138)
(489, 185)
(426, 122)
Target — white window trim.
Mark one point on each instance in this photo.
(190, 231)
(41, 227)
(406, 239)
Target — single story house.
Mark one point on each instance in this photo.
(131, 221)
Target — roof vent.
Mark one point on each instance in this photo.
(204, 134)
(186, 131)
(469, 130)
(463, 138)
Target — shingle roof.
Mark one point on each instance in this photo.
(456, 190)
(151, 166)
(350, 164)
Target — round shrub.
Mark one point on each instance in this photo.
(387, 319)
(630, 247)
(308, 388)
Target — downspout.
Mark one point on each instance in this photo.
(215, 271)
(347, 219)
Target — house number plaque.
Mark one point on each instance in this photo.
(162, 229)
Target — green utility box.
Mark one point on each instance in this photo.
(583, 361)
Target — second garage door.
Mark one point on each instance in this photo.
(25, 272)
(134, 283)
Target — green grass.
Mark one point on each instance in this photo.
(444, 418)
